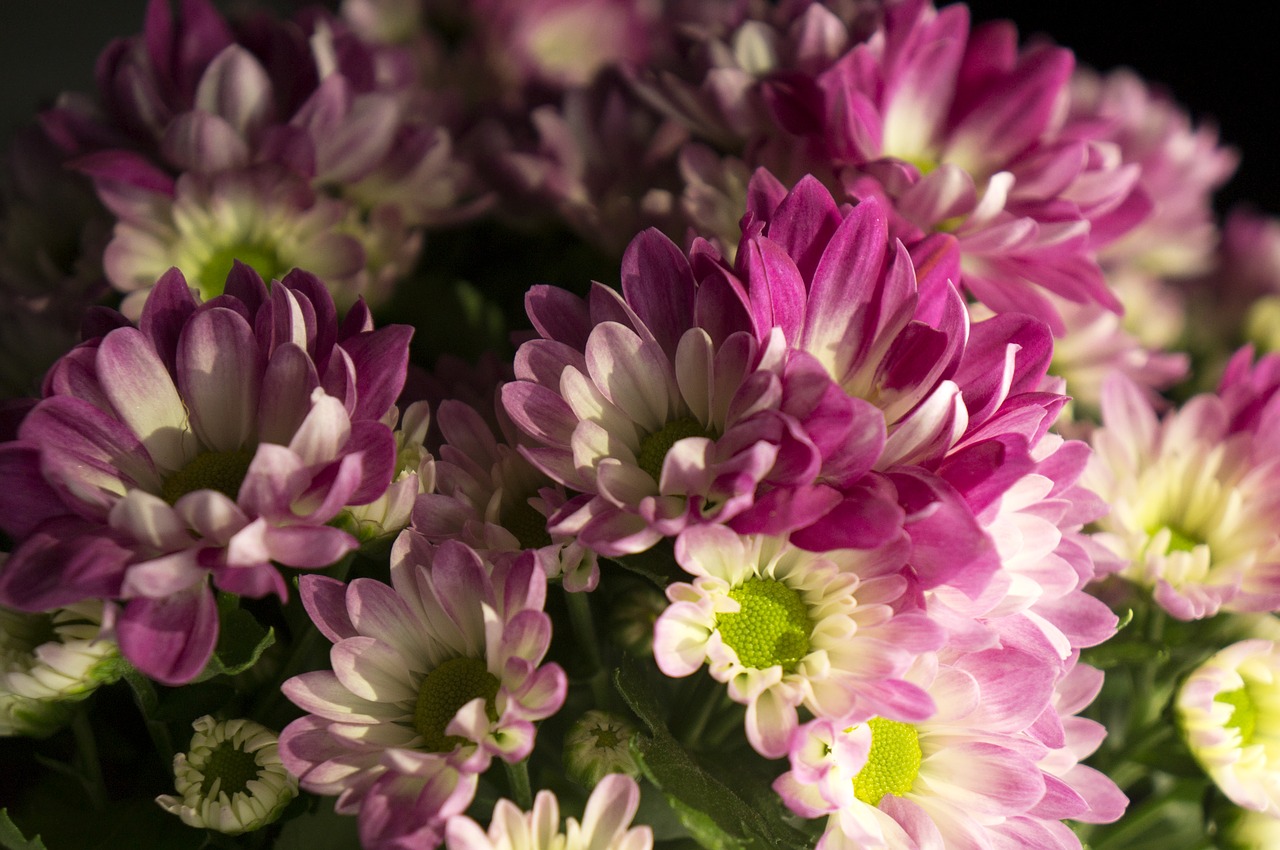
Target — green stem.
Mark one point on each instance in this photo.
(584, 630)
(144, 694)
(90, 765)
(691, 737)
(518, 780)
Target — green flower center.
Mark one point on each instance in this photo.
(221, 471)
(1182, 541)
(654, 447)
(772, 628)
(1244, 718)
(527, 524)
(893, 763)
(212, 278)
(446, 689)
(232, 765)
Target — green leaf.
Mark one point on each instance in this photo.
(714, 814)
(657, 564)
(241, 640)
(11, 838)
(321, 829)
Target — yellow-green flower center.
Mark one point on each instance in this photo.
(221, 471)
(654, 447)
(1244, 717)
(772, 627)
(212, 277)
(1182, 541)
(893, 763)
(446, 689)
(232, 765)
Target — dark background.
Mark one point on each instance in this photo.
(1222, 63)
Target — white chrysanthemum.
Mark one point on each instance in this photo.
(231, 779)
(1229, 709)
(49, 661)
(1193, 506)
(604, 824)
(786, 628)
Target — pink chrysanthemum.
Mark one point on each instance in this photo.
(194, 98)
(432, 678)
(662, 409)
(979, 772)
(785, 629)
(212, 441)
(490, 497)
(1194, 510)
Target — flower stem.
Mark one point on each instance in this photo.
(518, 780)
(94, 787)
(584, 630)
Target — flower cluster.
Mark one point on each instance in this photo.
(796, 439)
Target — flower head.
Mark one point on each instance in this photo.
(230, 779)
(1193, 513)
(48, 662)
(212, 441)
(432, 677)
(1229, 710)
(604, 825)
(596, 745)
(786, 628)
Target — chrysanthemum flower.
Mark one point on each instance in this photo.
(1229, 710)
(1194, 509)
(415, 475)
(976, 773)
(663, 410)
(786, 628)
(432, 678)
(48, 662)
(490, 497)
(205, 102)
(230, 779)
(211, 441)
(596, 745)
(604, 826)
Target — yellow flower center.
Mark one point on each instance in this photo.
(446, 689)
(221, 471)
(893, 763)
(772, 627)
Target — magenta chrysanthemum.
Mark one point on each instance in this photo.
(432, 677)
(211, 441)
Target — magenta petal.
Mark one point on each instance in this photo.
(170, 640)
(26, 500)
(219, 375)
(804, 223)
(783, 509)
(864, 519)
(849, 268)
(559, 315)
(308, 547)
(381, 359)
(947, 544)
(326, 602)
(168, 307)
(65, 560)
(776, 288)
(287, 384)
(658, 283)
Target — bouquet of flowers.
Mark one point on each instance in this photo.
(723, 423)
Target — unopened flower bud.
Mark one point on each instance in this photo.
(598, 744)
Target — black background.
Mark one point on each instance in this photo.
(1220, 62)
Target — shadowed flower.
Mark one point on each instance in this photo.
(230, 779)
(48, 663)
(432, 678)
(214, 441)
(1229, 710)
(1193, 505)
